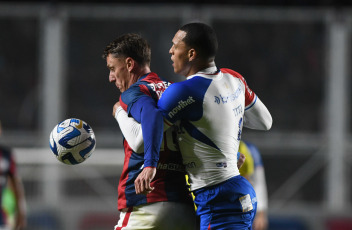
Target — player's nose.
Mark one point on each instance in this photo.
(171, 50)
(111, 78)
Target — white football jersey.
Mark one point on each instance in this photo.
(209, 109)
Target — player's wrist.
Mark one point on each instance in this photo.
(150, 163)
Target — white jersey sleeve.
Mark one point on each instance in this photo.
(131, 130)
(257, 116)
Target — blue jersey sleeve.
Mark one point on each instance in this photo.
(144, 110)
(184, 100)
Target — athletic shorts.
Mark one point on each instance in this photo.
(231, 204)
(4, 228)
(158, 216)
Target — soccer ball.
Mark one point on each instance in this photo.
(72, 141)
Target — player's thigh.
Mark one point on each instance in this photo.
(227, 221)
(158, 216)
(4, 228)
(176, 216)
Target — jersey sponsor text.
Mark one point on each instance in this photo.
(181, 104)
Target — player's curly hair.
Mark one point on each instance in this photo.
(130, 45)
(202, 38)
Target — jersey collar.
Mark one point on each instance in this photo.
(207, 73)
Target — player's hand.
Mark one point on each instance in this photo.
(241, 160)
(142, 182)
(117, 104)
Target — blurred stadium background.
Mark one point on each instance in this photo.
(296, 58)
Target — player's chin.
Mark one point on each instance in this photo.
(176, 70)
(122, 89)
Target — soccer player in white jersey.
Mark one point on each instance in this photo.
(211, 107)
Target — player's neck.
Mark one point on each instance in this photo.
(143, 71)
(135, 75)
(197, 67)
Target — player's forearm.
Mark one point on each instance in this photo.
(258, 117)
(20, 197)
(131, 130)
(152, 128)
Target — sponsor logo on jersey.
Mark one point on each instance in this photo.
(191, 164)
(171, 166)
(229, 97)
(181, 105)
(159, 87)
(221, 165)
(246, 203)
(238, 110)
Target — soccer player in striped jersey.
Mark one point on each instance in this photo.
(165, 202)
(9, 179)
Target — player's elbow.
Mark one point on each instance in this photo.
(268, 123)
(137, 147)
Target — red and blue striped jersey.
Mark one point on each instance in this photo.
(169, 183)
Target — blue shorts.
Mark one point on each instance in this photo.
(231, 204)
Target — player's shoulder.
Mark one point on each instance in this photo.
(233, 73)
(131, 95)
(150, 77)
(139, 87)
(194, 86)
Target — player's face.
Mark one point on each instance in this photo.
(180, 54)
(119, 74)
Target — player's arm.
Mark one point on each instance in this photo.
(259, 184)
(257, 116)
(16, 185)
(260, 188)
(130, 128)
(20, 219)
(144, 110)
(179, 102)
(261, 218)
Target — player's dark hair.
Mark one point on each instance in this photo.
(130, 45)
(202, 38)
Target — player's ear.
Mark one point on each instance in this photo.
(192, 54)
(130, 63)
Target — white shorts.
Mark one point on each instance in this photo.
(4, 228)
(159, 215)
